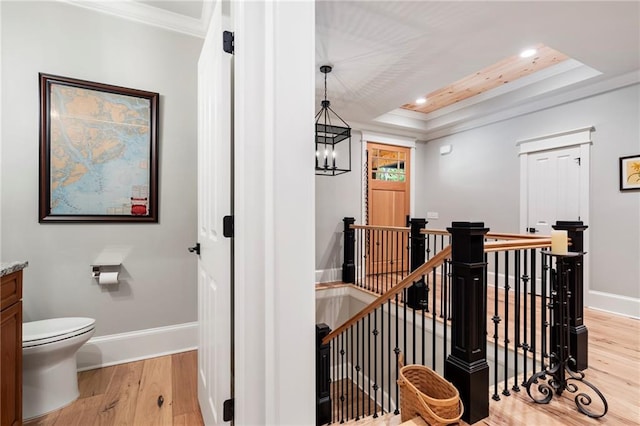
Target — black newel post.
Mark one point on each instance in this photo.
(417, 293)
(466, 366)
(323, 379)
(348, 265)
(578, 333)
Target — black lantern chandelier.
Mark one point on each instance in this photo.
(331, 159)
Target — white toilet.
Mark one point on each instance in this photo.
(49, 371)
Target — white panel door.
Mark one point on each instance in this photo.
(214, 202)
(553, 188)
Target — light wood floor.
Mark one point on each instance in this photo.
(130, 394)
(127, 394)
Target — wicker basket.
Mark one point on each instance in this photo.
(425, 393)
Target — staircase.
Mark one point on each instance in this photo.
(415, 314)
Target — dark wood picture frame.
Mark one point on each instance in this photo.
(98, 152)
(630, 173)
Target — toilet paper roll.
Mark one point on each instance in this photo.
(108, 278)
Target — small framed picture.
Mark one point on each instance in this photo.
(630, 173)
(98, 152)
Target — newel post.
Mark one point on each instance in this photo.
(466, 366)
(323, 378)
(348, 265)
(417, 293)
(578, 333)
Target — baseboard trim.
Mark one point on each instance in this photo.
(113, 349)
(614, 303)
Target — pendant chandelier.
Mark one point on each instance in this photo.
(331, 159)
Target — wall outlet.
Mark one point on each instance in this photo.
(432, 215)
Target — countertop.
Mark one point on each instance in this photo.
(7, 268)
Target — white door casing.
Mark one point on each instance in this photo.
(554, 185)
(214, 202)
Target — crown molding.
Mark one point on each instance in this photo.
(149, 15)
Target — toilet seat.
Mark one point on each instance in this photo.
(37, 333)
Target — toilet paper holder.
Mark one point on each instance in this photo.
(97, 269)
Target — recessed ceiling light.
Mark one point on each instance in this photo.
(528, 53)
(421, 101)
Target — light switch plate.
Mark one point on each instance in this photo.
(432, 215)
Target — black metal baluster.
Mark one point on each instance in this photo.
(442, 299)
(516, 336)
(342, 399)
(396, 256)
(533, 309)
(423, 330)
(413, 358)
(382, 352)
(358, 257)
(404, 325)
(402, 251)
(525, 344)
(368, 266)
(496, 322)
(369, 361)
(378, 256)
(349, 333)
(385, 261)
(428, 246)
(357, 370)
(543, 314)
(375, 363)
(397, 352)
(362, 367)
(334, 383)
(505, 391)
(434, 321)
(389, 357)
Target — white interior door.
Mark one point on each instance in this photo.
(553, 188)
(214, 202)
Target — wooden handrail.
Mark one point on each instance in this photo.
(382, 228)
(507, 236)
(523, 244)
(434, 231)
(434, 262)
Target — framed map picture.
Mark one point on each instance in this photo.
(98, 152)
(630, 173)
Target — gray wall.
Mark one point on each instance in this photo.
(158, 285)
(479, 180)
(337, 197)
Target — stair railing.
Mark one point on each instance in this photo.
(378, 257)
(364, 351)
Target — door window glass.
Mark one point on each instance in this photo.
(388, 165)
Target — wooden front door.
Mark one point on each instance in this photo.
(388, 206)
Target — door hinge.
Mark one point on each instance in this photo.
(227, 410)
(228, 42)
(227, 226)
(195, 249)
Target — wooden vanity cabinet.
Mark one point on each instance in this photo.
(11, 348)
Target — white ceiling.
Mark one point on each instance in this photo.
(387, 53)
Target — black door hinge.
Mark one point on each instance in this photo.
(227, 42)
(227, 226)
(195, 249)
(227, 410)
